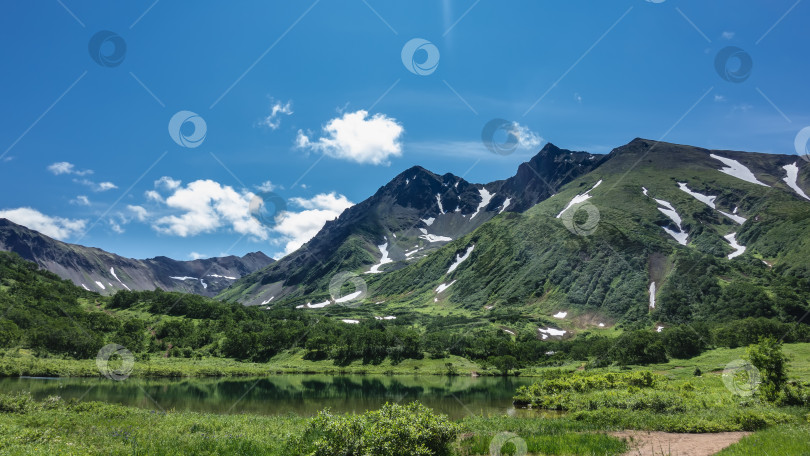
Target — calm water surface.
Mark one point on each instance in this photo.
(282, 394)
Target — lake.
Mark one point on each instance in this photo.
(304, 395)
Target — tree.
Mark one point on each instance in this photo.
(504, 363)
(767, 356)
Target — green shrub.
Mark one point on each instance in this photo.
(394, 430)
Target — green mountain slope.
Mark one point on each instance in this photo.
(601, 266)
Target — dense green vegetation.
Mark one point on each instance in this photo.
(52, 318)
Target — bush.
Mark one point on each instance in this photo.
(767, 356)
(394, 430)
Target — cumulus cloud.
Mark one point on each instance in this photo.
(67, 168)
(527, 139)
(203, 206)
(139, 212)
(197, 256)
(719, 98)
(168, 183)
(273, 120)
(96, 187)
(55, 227)
(80, 200)
(728, 35)
(266, 186)
(357, 137)
(296, 228)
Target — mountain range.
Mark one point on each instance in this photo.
(651, 232)
(103, 272)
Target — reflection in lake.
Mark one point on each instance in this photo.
(282, 394)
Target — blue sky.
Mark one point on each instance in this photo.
(314, 101)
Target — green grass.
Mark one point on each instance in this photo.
(24, 363)
(784, 440)
(54, 426)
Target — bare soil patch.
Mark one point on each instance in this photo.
(645, 443)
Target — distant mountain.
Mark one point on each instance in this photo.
(404, 221)
(654, 233)
(105, 273)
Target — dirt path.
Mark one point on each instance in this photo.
(643, 443)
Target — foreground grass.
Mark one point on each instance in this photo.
(24, 363)
(54, 426)
(785, 440)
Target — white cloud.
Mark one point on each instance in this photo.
(152, 195)
(728, 35)
(67, 168)
(55, 227)
(527, 139)
(140, 213)
(197, 256)
(296, 228)
(357, 137)
(116, 226)
(80, 200)
(578, 97)
(96, 187)
(203, 206)
(273, 120)
(266, 186)
(168, 183)
(719, 98)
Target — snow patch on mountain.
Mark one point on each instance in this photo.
(560, 315)
(205, 285)
(551, 332)
(681, 236)
(85, 287)
(460, 259)
(309, 305)
(644, 191)
(738, 170)
(486, 197)
(439, 200)
(505, 204)
(736, 218)
(429, 221)
(432, 237)
(444, 286)
(388, 317)
(351, 322)
(791, 179)
(112, 271)
(705, 199)
(579, 199)
(384, 260)
(268, 301)
(100, 285)
(739, 249)
(183, 278)
(222, 277)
